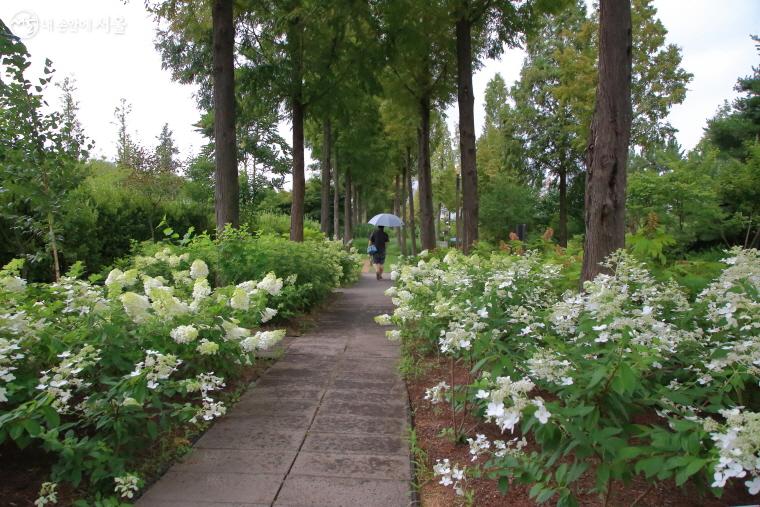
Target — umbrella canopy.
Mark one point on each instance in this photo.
(386, 219)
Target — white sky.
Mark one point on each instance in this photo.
(111, 55)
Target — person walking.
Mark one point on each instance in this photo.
(378, 239)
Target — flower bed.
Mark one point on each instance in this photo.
(630, 375)
(94, 375)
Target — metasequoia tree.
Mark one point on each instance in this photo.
(226, 187)
(609, 140)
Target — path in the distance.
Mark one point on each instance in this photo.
(325, 426)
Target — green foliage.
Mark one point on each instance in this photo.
(505, 203)
(628, 375)
(650, 241)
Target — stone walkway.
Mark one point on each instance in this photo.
(325, 426)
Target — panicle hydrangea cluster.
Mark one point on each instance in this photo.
(127, 485)
(117, 280)
(156, 367)
(437, 393)
(198, 269)
(206, 383)
(480, 445)
(546, 365)
(271, 284)
(738, 444)
(184, 334)
(9, 356)
(136, 306)
(11, 283)
(62, 381)
(48, 494)
(507, 400)
(262, 340)
(81, 297)
(450, 475)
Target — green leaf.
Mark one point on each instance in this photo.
(545, 495)
(32, 427)
(650, 466)
(692, 468)
(597, 377)
(503, 485)
(561, 473)
(52, 418)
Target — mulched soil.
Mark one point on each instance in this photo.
(429, 420)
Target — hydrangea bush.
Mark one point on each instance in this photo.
(236, 255)
(629, 374)
(95, 374)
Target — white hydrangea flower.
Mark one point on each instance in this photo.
(233, 331)
(268, 314)
(240, 299)
(207, 347)
(127, 485)
(271, 284)
(184, 334)
(201, 289)
(198, 269)
(47, 494)
(436, 394)
(383, 320)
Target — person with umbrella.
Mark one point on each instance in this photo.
(379, 239)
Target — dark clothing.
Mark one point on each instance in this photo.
(378, 257)
(379, 239)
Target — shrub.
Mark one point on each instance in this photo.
(629, 374)
(95, 375)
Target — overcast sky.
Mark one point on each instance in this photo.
(107, 47)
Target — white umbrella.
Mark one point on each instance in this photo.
(386, 220)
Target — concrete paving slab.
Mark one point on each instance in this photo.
(243, 437)
(352, 443)
(354, 465)
(363, 396)
(289, 393)
(366, 409)
(237, 461)
(213, 487)
(343, 423)
(342, 492)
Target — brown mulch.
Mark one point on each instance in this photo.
(429, 420)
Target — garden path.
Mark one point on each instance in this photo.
(325, 426)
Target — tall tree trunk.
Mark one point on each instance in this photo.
(470, 205)
(438, 222)
(324, 217)
(347, 209)
(295, 47)
(424, 178)
(54, 249)
(397, 209)
(226, 185)
(410, 191)
(609, 139)
(336, 197)
(404, 250)
(457, 215)
(357, 205)
(562, 236)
